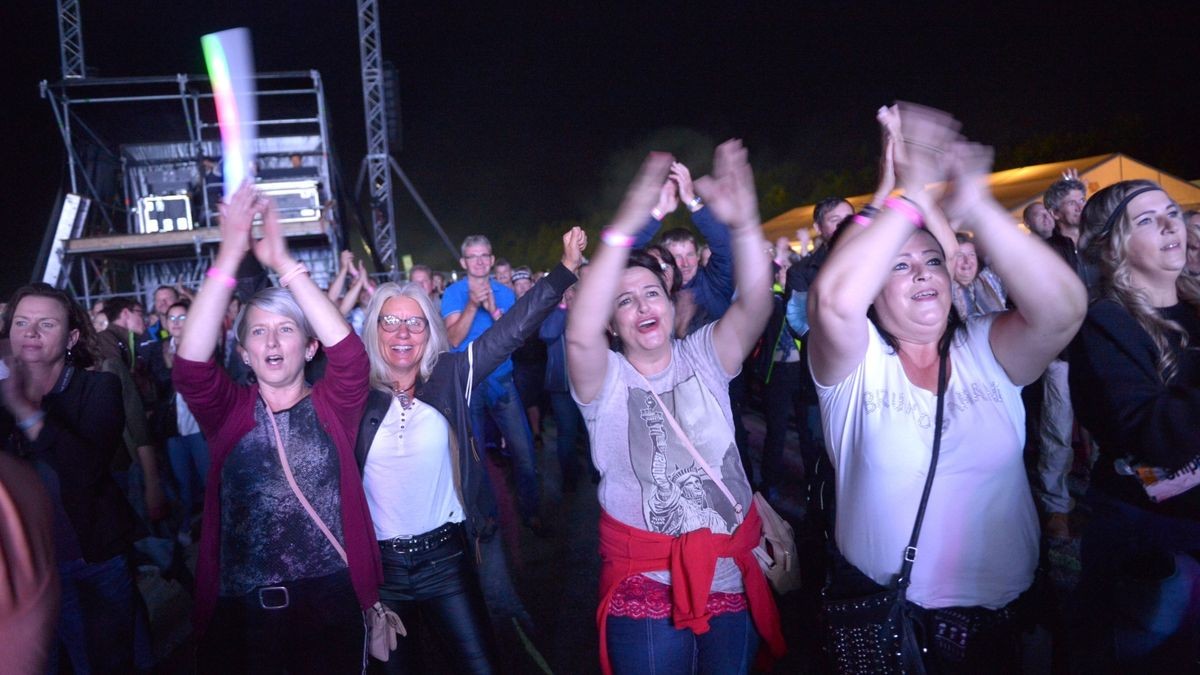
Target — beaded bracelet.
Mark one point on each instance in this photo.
(906, 208)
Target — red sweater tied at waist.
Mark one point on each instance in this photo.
(692, 559)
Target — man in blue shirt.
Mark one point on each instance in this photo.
(470, 306)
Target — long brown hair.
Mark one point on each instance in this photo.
(1105, 239)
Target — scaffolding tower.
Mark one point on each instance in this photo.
(144, 152)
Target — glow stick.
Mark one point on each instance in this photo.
(230, 61)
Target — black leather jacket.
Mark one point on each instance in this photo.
(446, 390)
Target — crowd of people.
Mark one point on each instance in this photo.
(928, 373)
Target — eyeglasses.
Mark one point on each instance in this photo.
(390, 323)
(482, 257)
(178, 318)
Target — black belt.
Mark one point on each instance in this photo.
(420, 543)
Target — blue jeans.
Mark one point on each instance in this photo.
(655, 647)
(498, 399)
(568, 419)
(1137, 606)
(189, 464)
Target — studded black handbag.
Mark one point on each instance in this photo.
(874, 629)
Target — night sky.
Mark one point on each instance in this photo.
(515, 114)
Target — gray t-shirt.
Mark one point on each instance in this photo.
(648, 479)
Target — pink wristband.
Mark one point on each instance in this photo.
(616, 239)
(292, 274)
(220, 276)
(906, 209)
(862, 219)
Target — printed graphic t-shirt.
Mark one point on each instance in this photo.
(979, 539)
(648, 479)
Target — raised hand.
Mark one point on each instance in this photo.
(668, 200)
(805, 239)
(237, 216)
(968, 166)
(782, 248)
(574, 244)
(643, 192)
(346, 261)
(1072, 174)
(925, 135)
(272, 250)
(729, 191)
(683, 178)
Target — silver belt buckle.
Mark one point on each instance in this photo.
(265, 602)
(401, 540)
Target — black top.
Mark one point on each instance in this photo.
(81, 433)
(1138, 420)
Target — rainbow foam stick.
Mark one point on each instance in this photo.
(230, 62)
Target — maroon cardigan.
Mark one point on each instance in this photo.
(225, 412)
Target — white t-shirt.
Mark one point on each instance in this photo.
(648, 479)
(979, 539)
(409, 476)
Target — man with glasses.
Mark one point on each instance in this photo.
(470, 306)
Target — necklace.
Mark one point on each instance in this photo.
(406, 404)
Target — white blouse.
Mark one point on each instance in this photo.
(409, 475)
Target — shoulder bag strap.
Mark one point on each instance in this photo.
(287, 472)
(910, 552)
(691, 448)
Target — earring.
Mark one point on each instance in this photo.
(308, 357)
(246, 360)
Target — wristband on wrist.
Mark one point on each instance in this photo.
(616, 239)
(292, 274)
(496, 314)
(657, 213)
(906, 208)
(222, 277)
(31, 421)
(695, 204)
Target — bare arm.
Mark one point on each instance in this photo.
(856, 269)
(348, 301)
(205, 316)
(339, 282)
(1050, 299)
(729, 192)
(587, 348)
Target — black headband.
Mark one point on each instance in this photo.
(1116, 213)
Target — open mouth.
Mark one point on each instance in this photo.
(647, 325)
(402, 348)
(925, 295)
(274, 359)
(1170, 246)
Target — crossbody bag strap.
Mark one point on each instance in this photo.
(910, 552)
(687, 443)
(291, 479)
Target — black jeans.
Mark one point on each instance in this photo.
(320, 630)
(788, 392)
(437, 591)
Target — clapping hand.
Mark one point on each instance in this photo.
(683, 178)
(968, 166)
(925, 135)
(668, 200)
(647, 187)
(574, 244)
(237, 216)
(272, 250)
(729, 191)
